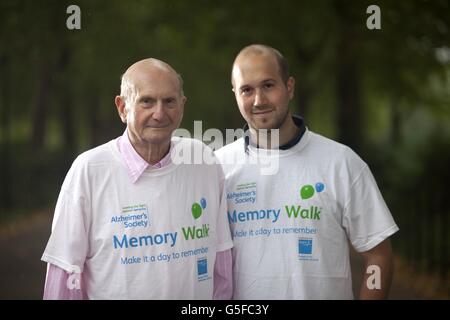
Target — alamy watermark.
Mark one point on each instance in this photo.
(374, 20)
(73, 22)
(74, 279)
(267, 160)
(374, 280)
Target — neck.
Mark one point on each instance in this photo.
(271, 139)
(151, 152)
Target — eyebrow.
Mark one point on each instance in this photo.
(262, 82)
(146, 97)
(268, 80)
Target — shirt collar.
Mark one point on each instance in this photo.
(298, 121)
(133, 161)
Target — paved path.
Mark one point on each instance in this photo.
(23, 274)
(21, 246)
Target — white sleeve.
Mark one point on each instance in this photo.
(367, 219)
(68, 244)
(224, 241)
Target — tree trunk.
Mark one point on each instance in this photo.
(395, 122)
(6, 180)
(39, 118)
(303, 95)
(349, 115)
(66, 114)
(94, 117)
(302, 89)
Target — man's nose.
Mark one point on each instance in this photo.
(159, 112)
(260, 98)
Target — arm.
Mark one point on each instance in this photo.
(223, 276)
(57, 285)
(377, 280)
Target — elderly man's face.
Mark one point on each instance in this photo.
(156, 108)
(260, 92)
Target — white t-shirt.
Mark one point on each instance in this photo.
(291, 229)
(154, 239)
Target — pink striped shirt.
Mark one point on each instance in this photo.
(56, 283)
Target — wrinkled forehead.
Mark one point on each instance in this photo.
(155, 81)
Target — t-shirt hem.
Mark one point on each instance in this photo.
(61, 264)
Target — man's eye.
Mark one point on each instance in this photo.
(246, 91)
(268, 85)
(170, 102)
(147, 101)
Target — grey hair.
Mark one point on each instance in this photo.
(128, 91)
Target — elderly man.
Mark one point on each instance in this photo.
(130, 223)
(292, 228)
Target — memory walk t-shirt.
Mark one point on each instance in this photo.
(154, 239)
(291, 226)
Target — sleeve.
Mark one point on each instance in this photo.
(223, 276)
(367, 219)
(224, 241)
(68, 244)
(59, 285)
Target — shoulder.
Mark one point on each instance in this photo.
(232, 156)
(319, 141)
(191, 146)
(190, 152)
(102, 154)
(332, 148)
(231, 150)
(89, 163)
(95, 161)
(187, 141)
(336, 155)
(181, 142)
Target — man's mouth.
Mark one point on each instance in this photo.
(157, 127)
(260, 112)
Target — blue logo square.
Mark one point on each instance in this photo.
(305, 246)
(202, 266)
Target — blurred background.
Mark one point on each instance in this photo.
(385, 93)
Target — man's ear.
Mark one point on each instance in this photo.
(291, 87)
(120, 104)
(183, 102)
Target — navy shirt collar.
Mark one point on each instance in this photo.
(298, 121)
